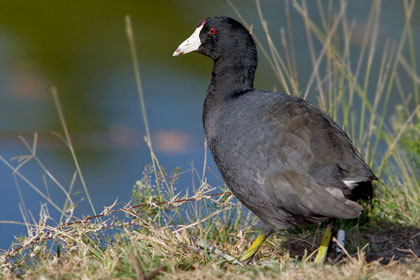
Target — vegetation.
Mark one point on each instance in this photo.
(163, 234)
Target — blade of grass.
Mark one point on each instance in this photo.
(70, 145)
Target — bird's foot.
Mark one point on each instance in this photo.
(252, 250)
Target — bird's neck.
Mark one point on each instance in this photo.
(232, 75)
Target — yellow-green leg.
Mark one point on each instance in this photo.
(254, 248)
(322, 251)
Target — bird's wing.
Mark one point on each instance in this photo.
(311, 162)
(321, 146)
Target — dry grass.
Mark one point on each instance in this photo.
(199, 236)
(140, 246)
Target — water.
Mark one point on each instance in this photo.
(83, 51)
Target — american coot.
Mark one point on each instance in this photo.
(281, 156)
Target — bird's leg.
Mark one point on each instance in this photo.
(322, 251)
(254, 248)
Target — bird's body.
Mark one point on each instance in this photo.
(281, 156)
(284, 159)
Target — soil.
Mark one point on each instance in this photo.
(383, 244)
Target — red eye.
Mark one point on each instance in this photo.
(212, 31)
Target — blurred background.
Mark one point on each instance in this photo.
(82, 50)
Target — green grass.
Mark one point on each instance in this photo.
(199, 235)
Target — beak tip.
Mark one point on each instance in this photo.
(178, 52)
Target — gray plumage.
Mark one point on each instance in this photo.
(284, 159)
(281, 156)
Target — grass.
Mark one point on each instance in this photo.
(197, 236)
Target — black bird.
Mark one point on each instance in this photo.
(281, 156)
